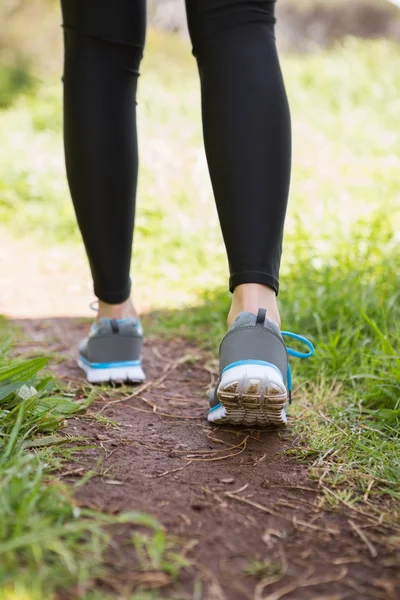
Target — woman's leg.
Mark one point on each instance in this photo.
(103, 48)
(247, 138)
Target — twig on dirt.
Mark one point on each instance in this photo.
(315, 508)
(378, 479)
(339, 596)
(259, 460)
(236, 432)
(163, 414)
(185, 519)
(283, 502)
(215, 591)
(215, 458)
(166, 472)
(191, 455)
(149, 384)
(140, 444)
(295, 505)
(124, 398)
(242, 443)
(353, 508)
(381, 522)
(277, 514)
(260, 587)
(296, 521)
(305, 583)
(367, 542)
(179, 397)
(106, 452)
(148, 579)
(211, 370)
(347, 561)
(255, 504)
(296, 487)
(365, 592)
(217, 440)
(213, 376)
(324, 474)
(244, 487)
(112, 482)
(149, 403)
(159, 355)
(371, 483)
(216, 496)
(71, 472)
(189, 546)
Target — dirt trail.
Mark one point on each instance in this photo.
(232, 496)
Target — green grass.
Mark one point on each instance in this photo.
(262, 569)
(47, 543)
(159, 552)
(15, 79)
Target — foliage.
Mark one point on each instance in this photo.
(14, 80)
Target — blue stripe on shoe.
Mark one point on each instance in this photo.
(250, 362)
(215, 407)
(110, 365)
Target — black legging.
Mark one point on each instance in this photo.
(246, 126)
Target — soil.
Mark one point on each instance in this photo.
(230, 496)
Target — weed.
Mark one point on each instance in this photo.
(159, 552)
(46, 542)
(262, 568)
(105, 421)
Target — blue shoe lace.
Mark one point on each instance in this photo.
(296, 354)
(94, 305)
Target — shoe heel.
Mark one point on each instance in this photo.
(252, 394)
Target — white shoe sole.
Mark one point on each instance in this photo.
(112, 374)
(251, 395)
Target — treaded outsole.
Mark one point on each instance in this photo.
(251, 400)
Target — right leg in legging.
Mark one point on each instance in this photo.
(247, 138)
(103, 48)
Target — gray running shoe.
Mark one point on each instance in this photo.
(253, 364)
(112, 351)
(255, 380)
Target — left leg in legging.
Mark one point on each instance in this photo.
(247, 137)
(103, 48)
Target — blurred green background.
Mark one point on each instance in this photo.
(344, 100)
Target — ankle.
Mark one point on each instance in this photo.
(116, 311)
(249, 297)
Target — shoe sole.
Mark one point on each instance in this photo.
(251, 395)
(120, 374)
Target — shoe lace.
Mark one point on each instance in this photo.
(94, 305)
(296, 354)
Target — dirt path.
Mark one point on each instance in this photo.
(231, 496)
